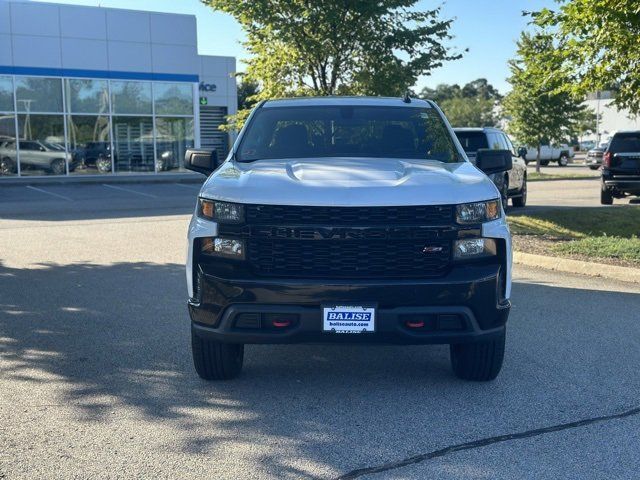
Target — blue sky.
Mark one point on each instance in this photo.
(488, 28)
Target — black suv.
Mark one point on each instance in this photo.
(621, 167)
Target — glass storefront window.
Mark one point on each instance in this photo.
(41, 145)
(87, 96)
(174, 136)
(173, 98)
(133, 144)
(89, 142)
(93, 126)
(6, 94)
(131, 97)
(38, 94)
(8, 157)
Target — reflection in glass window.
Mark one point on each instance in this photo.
(174, 136)
(133, 144)
(38, 94)
(41, 145)
(87, 96)
(8, 157)
(173, 98)
(6, 94)
(89, 143)
(131, 97)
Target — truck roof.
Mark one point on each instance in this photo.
(475, 129)
(354, 101)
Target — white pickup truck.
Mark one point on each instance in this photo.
(349, 220)
(548, 153)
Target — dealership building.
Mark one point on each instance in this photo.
(100, 91)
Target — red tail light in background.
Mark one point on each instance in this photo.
(606, 159)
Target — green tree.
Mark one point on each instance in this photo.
(538, 109)
(600, 46)
(337, 47)
(481, 88)
(441, 93)
(473, 105)
(247, 93)
(586, 123)
(470, 112)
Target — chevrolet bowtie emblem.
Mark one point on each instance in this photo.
(431, 249)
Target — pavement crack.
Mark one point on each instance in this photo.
(385, 467)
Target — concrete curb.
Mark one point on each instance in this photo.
(567, 265)
(535, 180)
(89, 179)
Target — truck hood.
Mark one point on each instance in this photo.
(349, 182)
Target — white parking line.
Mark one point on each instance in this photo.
(50, 193)
(130, 191)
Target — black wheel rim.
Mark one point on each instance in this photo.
(5, 166)
(58, 167)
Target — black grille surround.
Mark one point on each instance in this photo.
(347, 242)
(352, 216)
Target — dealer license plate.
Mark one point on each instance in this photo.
(348, 319)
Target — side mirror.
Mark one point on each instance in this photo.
(201, 161)
(522, 152)
(494, 161)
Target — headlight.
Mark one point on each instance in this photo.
(223, 247)
(473, 248)
(222, 212)
(478, 212)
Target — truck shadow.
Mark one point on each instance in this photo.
(94, 339)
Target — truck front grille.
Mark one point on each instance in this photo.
(370, 258)
(345, 242)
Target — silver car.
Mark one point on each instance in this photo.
(34, 154)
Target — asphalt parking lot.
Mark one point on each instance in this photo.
(566, 193)
(96, 375)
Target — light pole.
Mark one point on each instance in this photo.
(598, 118)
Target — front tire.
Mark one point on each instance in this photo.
(7, 166)
(58, 167)
(605, 196)
(216, 360)
(521, 201)
(504, 193)
(594, 167)
(563, 161)
(103, 164)
(478, 361)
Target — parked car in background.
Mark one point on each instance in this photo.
(548, 153)
(511, 184)
(35, 155)
(621, 167)
(587, 145)
(94, 154)
(594, 156)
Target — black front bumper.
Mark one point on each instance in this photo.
(465, 305)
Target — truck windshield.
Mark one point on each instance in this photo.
(347, 131)
(472, 141)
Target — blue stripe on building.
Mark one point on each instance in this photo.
(115, 75)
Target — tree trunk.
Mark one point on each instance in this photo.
(538, 159)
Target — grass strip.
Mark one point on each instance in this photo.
(590, 232)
